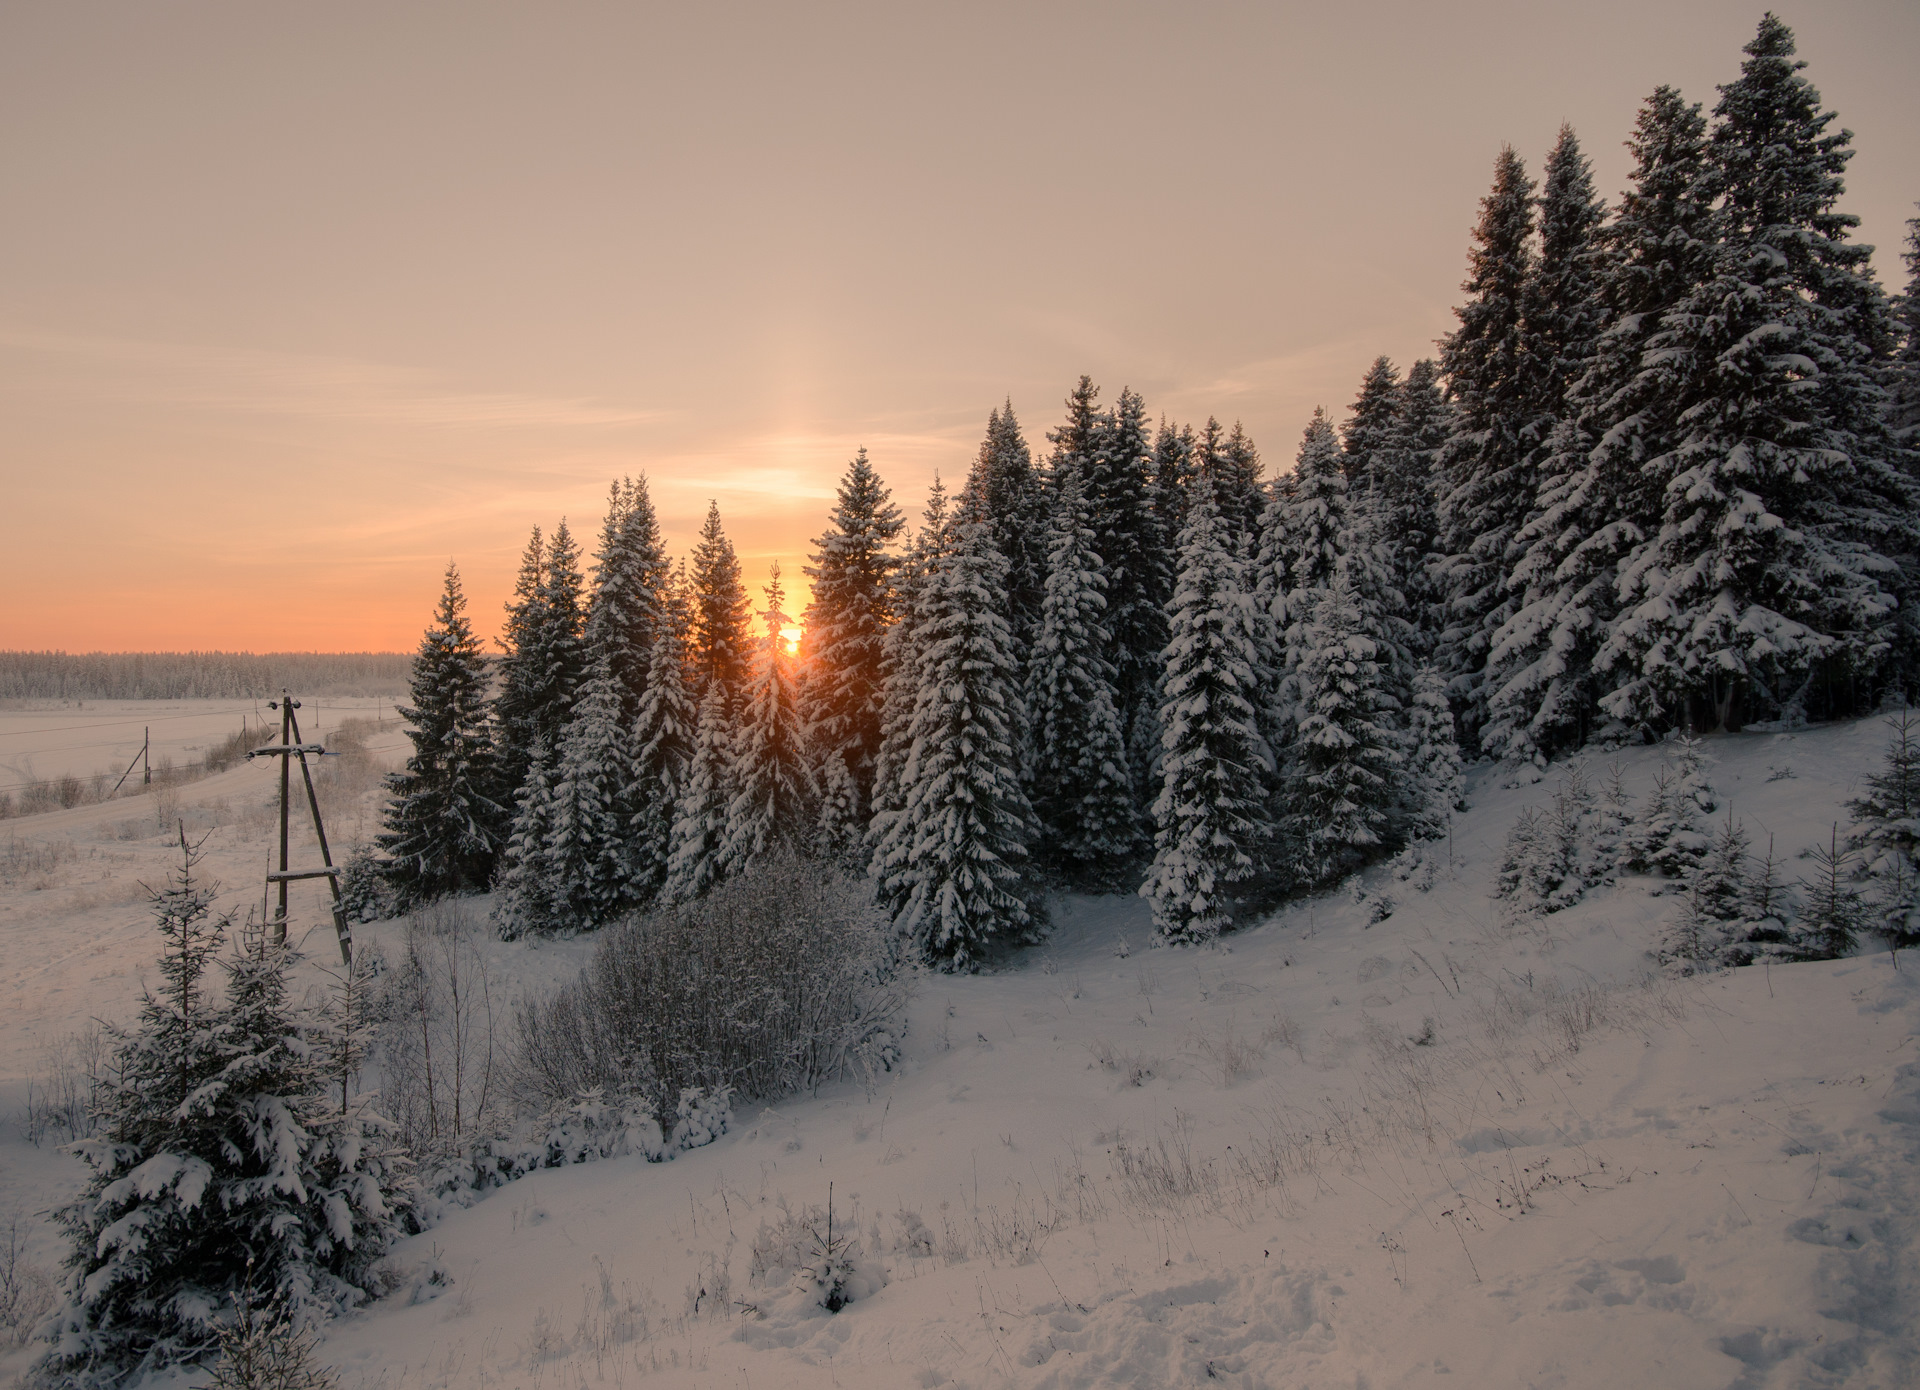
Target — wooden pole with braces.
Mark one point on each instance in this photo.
(286, 750)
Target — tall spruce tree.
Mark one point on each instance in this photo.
(1210, 815)
(1372, 433)
(696, 855)
(966, 821)
(1082, 790)
(1903, 406)
(1487, 488)
(773, 802)
(1004, 488)
(443, 829)
(1782, 503)
(1349, 754)
(842, 648)
(560, 651)
(663, 739)
(588, 854)
(1409, 494)
(630, 581)
(1173, 470)
(516, 708)
(1135, 561)
(1538, 695)
(523, 901)
(887, 829)
(720, 642)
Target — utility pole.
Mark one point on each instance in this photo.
(286, 750)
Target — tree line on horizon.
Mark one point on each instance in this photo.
(1663, 475)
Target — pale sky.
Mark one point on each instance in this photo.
(299, 301)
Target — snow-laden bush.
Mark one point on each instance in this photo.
(585, 1131)
(1552, 856)
(1887, 833)
(1736, 909)
(1668, 837)
(776, 981)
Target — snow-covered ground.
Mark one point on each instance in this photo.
(1449, 1148)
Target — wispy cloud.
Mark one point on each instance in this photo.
(288, 384)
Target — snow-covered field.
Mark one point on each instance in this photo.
(1449, 1148)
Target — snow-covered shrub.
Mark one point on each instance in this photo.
(585, 1131)
(265, 1348)
(439, 1041)
(777, 980)
(1668, 837)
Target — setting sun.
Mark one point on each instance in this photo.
(792, 638)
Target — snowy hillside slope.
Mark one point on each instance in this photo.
(1450, 1147)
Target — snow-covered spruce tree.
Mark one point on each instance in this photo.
(1082, 791)
(516, 712)
(1371, 434)
(1135, 559)
(696, 855)
(1173, 473)
(1782, 501)
(720, 643)
(663, 739)
(631, 574)
(1434, 786)
(217, 1149)
(901, 653)
(523, 902)
(1007, 491)
(1595, 503)
(843, 649)
(1887, 833)
(589, 846)
(1407, 496)
(772, 806)
(1486, 487)
(443, 829)
(1210, 816)
(1348, 755)
(1835, 911)
(1538, 697)
(1903, 404)
(965, 820)
(1668, 836)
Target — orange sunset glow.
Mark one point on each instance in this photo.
(301, 302)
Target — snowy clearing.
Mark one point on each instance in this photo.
(1449, 1144)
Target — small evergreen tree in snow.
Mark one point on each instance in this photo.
(1888, 830)
(1210, 815)
(588, 854)
(1348, 758)
(523, 892)
(218, 1160)
(696, 858)
(1835, 911)
(443, 828)
(772, 806)
(1668, 836)
(965, 822)
(1082, 792)
(843, 649)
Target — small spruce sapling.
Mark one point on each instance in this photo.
(1836, 911)
(1887, 834)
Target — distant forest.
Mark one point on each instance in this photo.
(190, 675)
